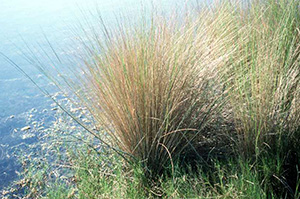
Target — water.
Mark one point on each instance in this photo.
(21, 103)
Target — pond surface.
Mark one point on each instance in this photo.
(21, 103)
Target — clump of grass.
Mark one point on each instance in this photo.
(157, 89)
(265, 73)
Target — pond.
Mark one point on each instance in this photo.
(22, 105)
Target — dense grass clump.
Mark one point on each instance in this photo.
(265, 71)
(205, 104)
(157, 89)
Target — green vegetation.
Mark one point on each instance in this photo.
(200, 105)
(106, 175)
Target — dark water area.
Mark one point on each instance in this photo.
(24, 110)
(21, 103)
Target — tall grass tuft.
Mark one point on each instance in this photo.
(265, 73)
(158, 90)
